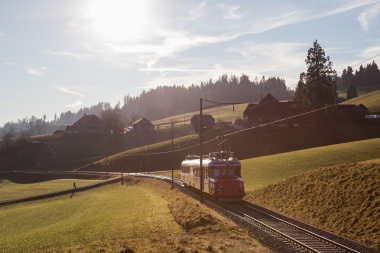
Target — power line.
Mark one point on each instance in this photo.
(254, 127)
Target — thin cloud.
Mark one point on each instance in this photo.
(36, 71)
(17, 93)
(70, 54)
(348, 7)
(197, 13)
(10, 64)
(182, 70)
(301, 16)
(74, 105)
(70, 91)
(230, 12)
(370, 52)
(276, 59)
(176, 42)
(368, 16)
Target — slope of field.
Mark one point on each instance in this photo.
(11, 190)
(370, 100)
(263, 171)
(343, 199)
(225, 113)
(144, 215)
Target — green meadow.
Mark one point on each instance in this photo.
(89, 220)
(144, 215)
(263, 171)
(10, 190)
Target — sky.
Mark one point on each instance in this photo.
(58, 56)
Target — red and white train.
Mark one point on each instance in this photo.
(221, 174)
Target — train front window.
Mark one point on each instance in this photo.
(224, 172)
(215, 172)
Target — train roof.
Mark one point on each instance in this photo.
(221, 157)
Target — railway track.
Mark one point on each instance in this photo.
(298, 237)
(302, 238)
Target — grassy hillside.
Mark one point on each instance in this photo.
(263, 171)
(45, 153)
(371, 100)
(11, 190)
(343, 199)
(247, 144)
(145, 216)
(221, 113)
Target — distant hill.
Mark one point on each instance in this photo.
(248, 144)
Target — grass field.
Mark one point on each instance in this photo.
(145, 216)
(263, 171)
(91, 220)
(370, 100)
(343, 199)
(221, 113)
(10, 190)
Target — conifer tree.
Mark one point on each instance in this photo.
(351, 92)
(317, 86)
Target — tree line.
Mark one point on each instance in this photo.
(161, 102)
(317, 88)
(364, 76)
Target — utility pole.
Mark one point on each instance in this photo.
(171, 162)
(201, 148)
(148, 160)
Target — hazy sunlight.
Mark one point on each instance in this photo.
(118, 20)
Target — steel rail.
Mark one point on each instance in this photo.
(303, 230)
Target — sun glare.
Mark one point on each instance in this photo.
(118, 20)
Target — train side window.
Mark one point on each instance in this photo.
(215, 173)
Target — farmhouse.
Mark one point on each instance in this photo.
(270, 110)
(142, 125)
(88, 124)
(284, 114)
(351, 112)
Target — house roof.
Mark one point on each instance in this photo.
(269, 105)
(269, 98)
(351, 108)
(142, 120)
(89, 122)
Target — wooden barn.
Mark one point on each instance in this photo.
(88, 124)
(142, 125)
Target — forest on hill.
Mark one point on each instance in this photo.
(165, 101)
(364, 76)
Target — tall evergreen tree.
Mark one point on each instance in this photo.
(351, 92)
(317, 87)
